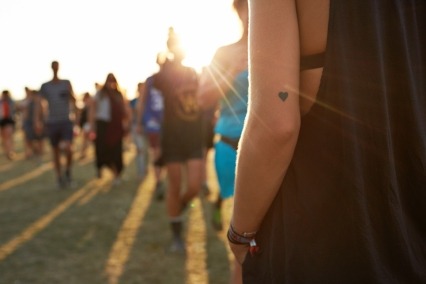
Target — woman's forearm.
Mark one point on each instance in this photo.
(262, 163)
(273, 122)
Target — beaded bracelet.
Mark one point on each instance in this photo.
(238, 239)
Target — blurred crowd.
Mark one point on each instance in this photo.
(171, 123)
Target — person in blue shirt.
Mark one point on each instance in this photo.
(226, 81)
(150, 108)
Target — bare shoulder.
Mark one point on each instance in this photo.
(226, 53)
(226, 48)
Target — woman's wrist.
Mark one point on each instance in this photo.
(239, 238)
(245, 234)
(245, 238)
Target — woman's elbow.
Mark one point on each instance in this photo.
(278, 131)
(290, 131)
(285, 130)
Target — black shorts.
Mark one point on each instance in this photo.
(60, 131)
(182, 148)
(6, 121)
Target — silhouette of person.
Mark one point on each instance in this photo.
(7, 123)
(226, 81)
(84, 124)
(59, 95)
(150, 119)
(33, 139)
(139, 139)
(109, 120)
(181, 136)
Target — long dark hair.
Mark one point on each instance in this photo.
(114, 91)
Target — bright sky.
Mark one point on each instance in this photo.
(91, 38)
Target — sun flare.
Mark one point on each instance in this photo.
(200, 34)
(91, 47)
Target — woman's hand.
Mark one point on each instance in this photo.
(239, 251)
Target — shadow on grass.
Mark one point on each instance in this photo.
(24, 203)
(74, 246)
(77, 243)
(149, 262)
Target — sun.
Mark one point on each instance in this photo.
(201, 36)
(198, 54)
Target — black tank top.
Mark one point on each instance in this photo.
(352, 207)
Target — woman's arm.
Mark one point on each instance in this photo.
(273, 120)
(217, 79)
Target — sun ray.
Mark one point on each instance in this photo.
(26, 177)
(215, 72)
(126, 237)
(196, 268)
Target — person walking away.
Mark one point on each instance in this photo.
(139, 139)
(34, 138)
(109, 122)
(59, 95)
(7, 123)
(84, 124)
(150, 118)
(181, 137)
(226, 81)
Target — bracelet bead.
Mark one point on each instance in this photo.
(238, 239)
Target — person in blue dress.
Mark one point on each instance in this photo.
(226, 82)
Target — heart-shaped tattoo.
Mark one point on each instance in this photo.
(283, 95)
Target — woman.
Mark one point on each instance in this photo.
(330, 187)
(109, 121)
(226, 80)
(7, 123)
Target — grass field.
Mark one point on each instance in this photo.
(96, 233)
